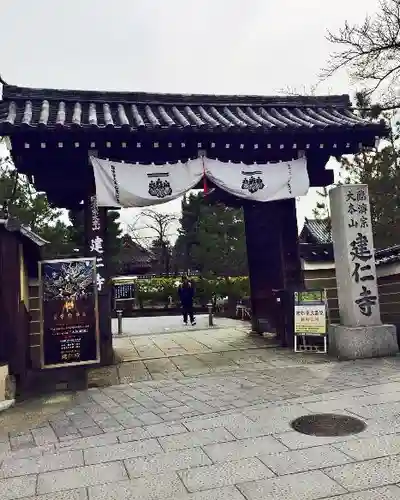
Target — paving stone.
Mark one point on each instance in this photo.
(43, 463)
(91, 431)
(234, 420)
(245, 448)
(166, 462)
(291, 462)
(44, 435)
(27, 452)
(369, 474)
(4, 437)
(22, 440)
(386, 493)
(251, 429)
(303, 486)
(382, 411)
(163, 486)
(66, 432)
(17, 487)
(295, 441)
(152, 431)
(69, 437)
(121, 451)
(5, 448)
(127, 420)
(226, 493)
(365, 449)
(81, 477)
(380, 388)
(89, 442)
(199, 438)
(225, 474)
(149, 418)
(171, 416)
(80, 494)
(281, 415)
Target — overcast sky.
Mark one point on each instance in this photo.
(208, 46)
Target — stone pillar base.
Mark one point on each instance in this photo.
(347, 342)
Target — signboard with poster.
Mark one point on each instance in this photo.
(310, 321)
(69, 312)
(124, 291)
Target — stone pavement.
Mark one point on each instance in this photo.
(218, 436)
(148, 325)
(149, 350)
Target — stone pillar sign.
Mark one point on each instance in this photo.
(354, 256)
(360, 333)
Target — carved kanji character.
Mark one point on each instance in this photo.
(362, 208)
(361, 195)
(360, 248)
(351, 209)
(353, 223)
(100, 282)
(366, 301)
(359, 277)
(96, 245)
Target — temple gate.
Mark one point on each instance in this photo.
(53, 132)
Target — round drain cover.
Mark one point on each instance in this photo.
(328, 424)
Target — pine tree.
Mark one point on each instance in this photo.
(379, 168)
(212, 238)
(321, 210)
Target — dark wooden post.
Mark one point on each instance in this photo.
(96, 246)
(274, 263)
(293, 273)
(262, 223)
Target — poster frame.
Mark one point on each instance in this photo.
(41, 315)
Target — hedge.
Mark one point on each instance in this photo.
(158, 290)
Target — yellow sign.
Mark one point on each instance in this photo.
(310, 319)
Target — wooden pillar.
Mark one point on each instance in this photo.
(292, 271)
(96, 246)
(264, 260)
(273, 262)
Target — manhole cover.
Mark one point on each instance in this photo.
(328, 424)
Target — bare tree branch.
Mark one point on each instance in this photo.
(369, 51)
(159, 223)
(134, 233)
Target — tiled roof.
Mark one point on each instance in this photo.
(134, 254)
(12, 224)
(316, 252)
(323, 252)
(387, 255)
(50, 108)
(318, 230)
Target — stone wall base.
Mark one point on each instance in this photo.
(347, 342)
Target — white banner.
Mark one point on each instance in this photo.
(134, 185)
(260, 182)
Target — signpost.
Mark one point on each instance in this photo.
(310, 320)
(69, 321)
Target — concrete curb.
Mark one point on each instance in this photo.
(5, 405)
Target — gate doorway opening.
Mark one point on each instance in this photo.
(53, 133)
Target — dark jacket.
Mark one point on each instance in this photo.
(186, 293)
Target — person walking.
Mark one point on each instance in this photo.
(186, 295)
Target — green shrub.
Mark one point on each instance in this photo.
(152, 291)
